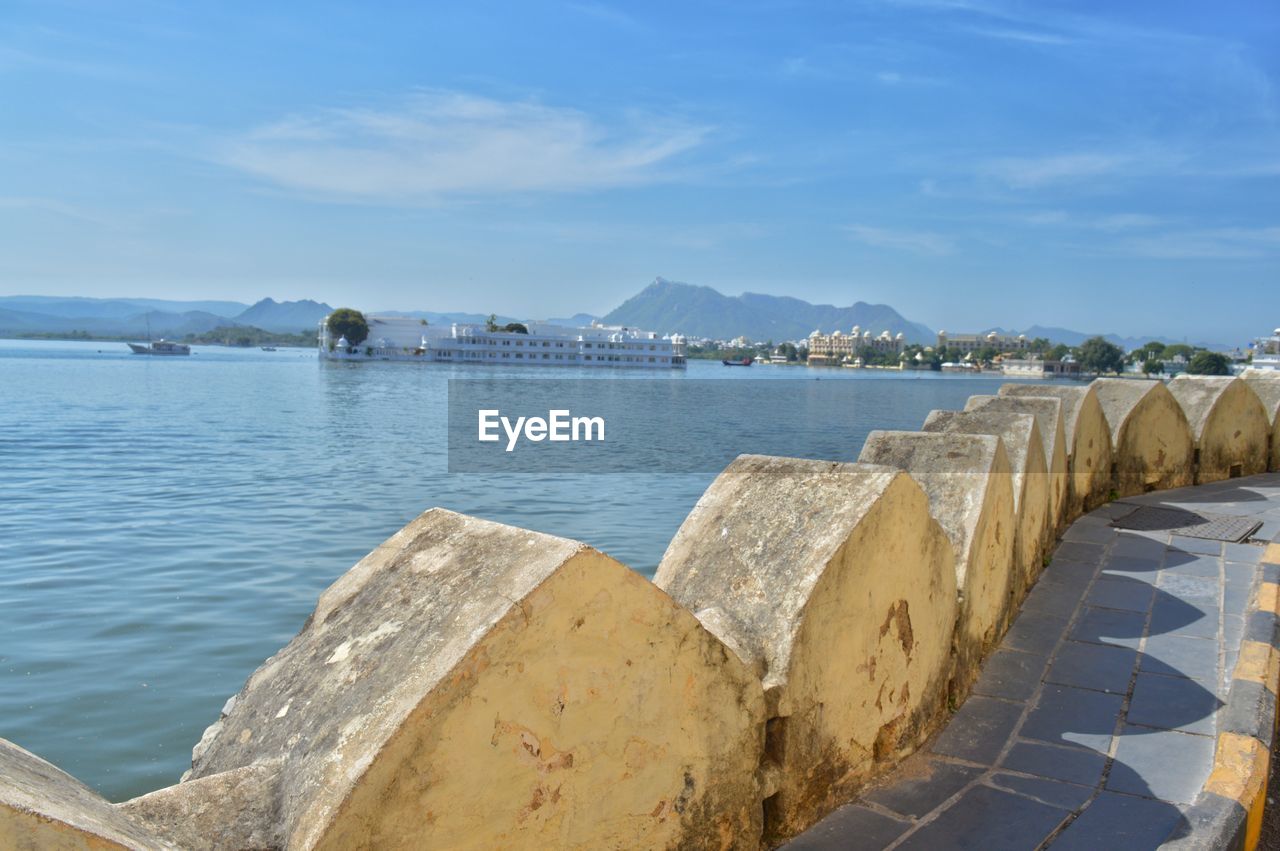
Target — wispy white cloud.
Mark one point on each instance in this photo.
(1032, 172)
(54, 207)
(439, 144)
(915, 242)
(1021, 35)
(1233, 243)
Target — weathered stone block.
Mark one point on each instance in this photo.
(838, 586)
(969, 483)
(474, 685)
(43, 808)
(1020, 435)
(1151, 443)
(1088, 442)
(1266, 386)
(1227, 420)
(1049, 420)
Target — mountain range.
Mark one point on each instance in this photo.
(135, 316)
(698, 311)
(663, 306)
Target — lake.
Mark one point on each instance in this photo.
(168, 523)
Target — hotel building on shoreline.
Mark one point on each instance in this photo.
(837, 346)
(974, 342)
(398, 338)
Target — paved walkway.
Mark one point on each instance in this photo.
(1094, 724)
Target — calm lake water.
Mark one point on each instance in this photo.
(166, 524)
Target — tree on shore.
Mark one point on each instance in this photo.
(349, 323)
(1151, 366)
(1099, 356)
(1209, 363)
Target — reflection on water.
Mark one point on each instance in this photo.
(168, 524)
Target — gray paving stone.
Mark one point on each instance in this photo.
(1074, 716)
(925, 783)
(1069, 796)
(1191, 564)
(1088, 533)
(1093, 666)
(1109, 626)
(1112, 510)
(1118, 821)
(849, 827)
(979, 731)
(1196, 545)
(1171, 615)
(1182, 656)
(1162, 764)
(1055, 596)
(1119, 565)
(1121, 593)
(1133, 545)
(1035, 632)
(1173, 703)
(1011, 674)
(1233, 630)
(1080, 766)
(985, 819)
(1244, 553)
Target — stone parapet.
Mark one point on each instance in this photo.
(1229, 425)
(1151, 441)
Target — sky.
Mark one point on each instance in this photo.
(1098, 166)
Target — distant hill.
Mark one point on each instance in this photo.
(121, 317)
(1075, 338)
(272, 315)
(697, 311)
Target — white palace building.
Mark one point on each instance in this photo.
(397, 338)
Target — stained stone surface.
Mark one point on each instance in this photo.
(1229, 424)
(1151, 442)
(1020, 435)
(970, 487)
(474, 684)
(1048, 411)
(1266, 386)
(842, 595)
(43, 807)
(1088, 442)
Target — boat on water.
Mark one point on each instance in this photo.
(268, 348)
(160, 347)
(747, 361)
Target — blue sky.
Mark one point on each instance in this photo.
(1101, 166)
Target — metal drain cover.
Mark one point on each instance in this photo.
(1190, 524)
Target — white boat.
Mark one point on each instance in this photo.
(160, 347)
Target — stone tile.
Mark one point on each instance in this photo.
(1173, 703)
(1121, 593)
(986, 818)
(1093, 666)
(1196, 545)
(1244, 553)
(1069, 796)
(1109, 626)
(851, 826)
(1191, 564)
(1119, 565)
(1088, 533)
(1171, 615)
(1055, 597)
(1010, 674)
(1073, 716)
(1235, 598)
(979, 731)
(1132, 545)
(1199, 591)
(1112, 510)
(1161, 764)
(1035, 632)
(1182, 656)
(1119, 821)
(1080, 766)
(922, 784)
(1233, 630)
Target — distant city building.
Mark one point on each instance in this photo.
(838, 347)
(974, 342)
(1039, 368)
(1266, 352)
